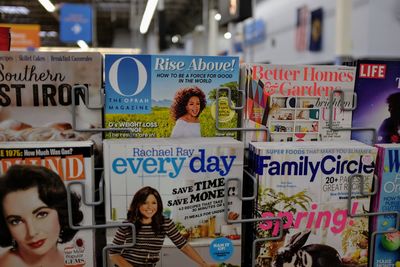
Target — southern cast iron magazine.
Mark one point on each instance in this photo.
(36, 96)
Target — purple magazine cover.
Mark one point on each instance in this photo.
(378, 91)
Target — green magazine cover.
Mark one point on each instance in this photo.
(170, 96)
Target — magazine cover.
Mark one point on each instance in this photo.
(378, 91)
(386, 251)
(72, 161)
(170, 96)
(36, 96)
(292, 101)
(190, 176)
(306, 184)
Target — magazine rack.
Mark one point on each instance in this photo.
(101, 182)
(396, 214)
(75, 89)
(240, 196)
(242, 100)
(254, 180)
(293, 116)
(97, 226)
(351, 178)
(330, 121)
(362, 180)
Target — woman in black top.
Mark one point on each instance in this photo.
(151, 228)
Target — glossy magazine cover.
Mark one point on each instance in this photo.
(142, 94)
(378, 92)
(36, 96)
(292, 101)
(306, 185)
(386, 250)
(190, 175)
(72, 161)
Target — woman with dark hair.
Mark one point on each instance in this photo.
(185, 110)
(389, 131)
(145, 212)
(34, 217)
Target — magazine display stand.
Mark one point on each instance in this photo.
(351, 179)
(241, 192)
(294, 116)
(242, 100)
(75, 90)
(330, 121)
(382, 213)
(101, 183)
(97, 226)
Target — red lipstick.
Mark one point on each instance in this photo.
(37, 244)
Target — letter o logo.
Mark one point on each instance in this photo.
(141, 74)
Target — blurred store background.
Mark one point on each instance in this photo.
(273, 31)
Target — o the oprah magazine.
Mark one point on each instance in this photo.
(142, 93)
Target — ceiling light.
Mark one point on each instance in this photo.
(199, 28)
(82, 44)
(47, 5)
(148, 15)
(227, 35)
(14, 10)
(44, 34)
(217, 17)
(175, 39)
(52, 34)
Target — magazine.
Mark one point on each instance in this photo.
(377, 86)
(306, 185)
(72, 161)
(386, 250)
(36, 96)
(189, 175)
(292, 101)
(148, 95)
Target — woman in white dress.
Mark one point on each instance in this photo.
(185, 110)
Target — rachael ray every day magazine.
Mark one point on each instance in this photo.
(191, 176)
